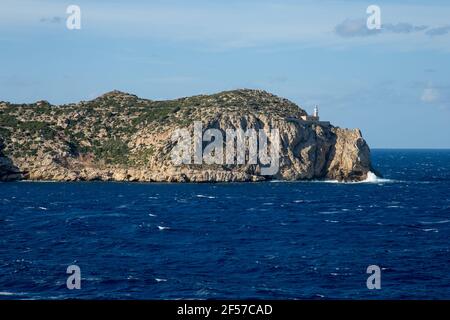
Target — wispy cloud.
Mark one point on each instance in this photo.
(354, 28)
(430, 95)
(436, 95)
(403, 27)
(438, 31)
(358, 28)
(54, 19)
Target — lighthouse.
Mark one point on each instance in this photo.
(314, 117)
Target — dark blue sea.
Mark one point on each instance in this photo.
(274, 240)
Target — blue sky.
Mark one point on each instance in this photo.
(393, 84)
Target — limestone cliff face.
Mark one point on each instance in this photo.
(120, 137)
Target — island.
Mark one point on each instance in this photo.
(121, 137)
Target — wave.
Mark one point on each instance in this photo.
(430, 229)
(434, 222)
(371, 178)
(204, 196)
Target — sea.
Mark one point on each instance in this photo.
(269, 240)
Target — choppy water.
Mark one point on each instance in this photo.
(264, 240)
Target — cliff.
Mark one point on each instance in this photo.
(120, 137)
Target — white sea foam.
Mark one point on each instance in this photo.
(371, 178)
(152, 215)
(204, 196)
(160, 280)
(163, 228)
(328, 212)
(434, 222)
(430, 229)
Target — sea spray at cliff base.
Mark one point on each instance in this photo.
(371, 178)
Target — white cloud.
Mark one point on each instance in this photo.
(430, 95)
(438, 31)
(358, 28)
(354, 28)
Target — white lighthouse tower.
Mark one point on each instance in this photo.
(314, 117)
(316, 112)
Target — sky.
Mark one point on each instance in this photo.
(392, 83)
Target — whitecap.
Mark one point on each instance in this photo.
(43, 208)
(163, 228)
(204, 196)
(160, 280)
(434, 222)
(152, 215)
(430, 229)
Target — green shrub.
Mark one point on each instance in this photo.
(38, 127)
(113, 151)
(7, 120)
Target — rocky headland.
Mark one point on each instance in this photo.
(121, 137)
